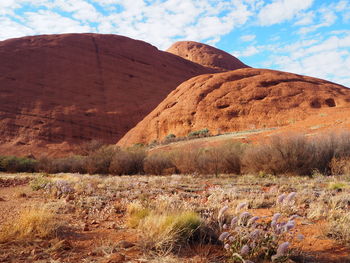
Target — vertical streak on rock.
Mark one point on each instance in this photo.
(99, 68)
(100, 76)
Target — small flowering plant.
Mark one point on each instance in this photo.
(248, 238)
(60, 187)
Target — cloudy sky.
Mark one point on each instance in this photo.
(310, 37)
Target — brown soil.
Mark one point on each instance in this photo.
(243, 99)
(60, 90)
(206, 55)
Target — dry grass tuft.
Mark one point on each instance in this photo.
(166, 232)
(162, 231)
(31, 224)
(135, 213)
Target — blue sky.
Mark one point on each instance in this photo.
(310, 37)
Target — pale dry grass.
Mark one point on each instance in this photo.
(166, 232)
(32, 223)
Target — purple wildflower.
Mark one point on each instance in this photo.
(290, 197)
(254, 234)
(281, 198)
(223, 236)
(276, 217)
(252, 220)
(289, 225)
(293, 217)
(234, 222)
(222, 211)
(282, 249)
(245, 250)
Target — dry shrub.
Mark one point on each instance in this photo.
(209, 161)
(30, 224)
(225, 158)
(70, 164)
(340, 166)
(281, 154)
(88, 148)
(157, 163)
(232, 157)
(186, 160)
(297, 154)
(338, 226)
(99, 161)
(128, 162)
(329, 146)
(104, 160)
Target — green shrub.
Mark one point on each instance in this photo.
(338, 186)
(39, 183)
(199, 133)
(17, 164)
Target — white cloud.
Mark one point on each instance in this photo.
(47, 22)
(248, 52)
(306, 18)
(327, 18)
(11, 29)
(157, 22)
(161, 22)
(248, 38)
(327, 59)
(282, 10)
(80, 9)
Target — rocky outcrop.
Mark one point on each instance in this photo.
(238, 100)
(206, 55)
(57, 91)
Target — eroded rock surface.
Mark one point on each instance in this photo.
(57, 91)
(242, 99)
(206, 55)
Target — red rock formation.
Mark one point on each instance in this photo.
(61, 90)
(206, 55)
(238, 100)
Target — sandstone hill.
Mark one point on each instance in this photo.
(60, 90)
(206, 55)
(238, 100)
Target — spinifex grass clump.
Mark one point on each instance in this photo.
(162, 231)
(248, 237)
(31, 224)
